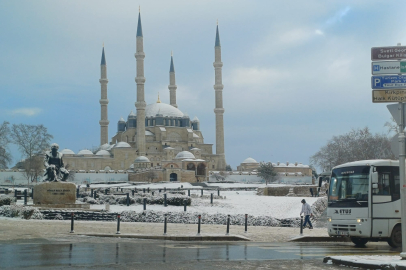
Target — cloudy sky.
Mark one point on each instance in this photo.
(295, 72)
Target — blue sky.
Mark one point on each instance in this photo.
(295, 72)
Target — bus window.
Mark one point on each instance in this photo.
(396, 188)
(383, 184)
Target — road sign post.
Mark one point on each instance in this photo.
(398, 83)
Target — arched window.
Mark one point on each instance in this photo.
(201, 169)
(190, 167)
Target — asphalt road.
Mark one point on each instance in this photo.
(93, 253)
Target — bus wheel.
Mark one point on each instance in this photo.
(395, 239)
(359, 242)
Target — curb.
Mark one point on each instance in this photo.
(174, 237)
(364, 265)
(320, 239)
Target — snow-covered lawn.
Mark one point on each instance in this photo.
(241, 202)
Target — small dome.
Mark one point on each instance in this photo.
(195, 119)
(184, 155)
(104, 146)
(103, 153)
(85, 152)
(249, 160)
(141, 159)
(67, 152)
(122, 145)
(121, 120)
(131, 115)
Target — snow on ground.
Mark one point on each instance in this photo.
(166, 185)
(377, 260)
(241, 202)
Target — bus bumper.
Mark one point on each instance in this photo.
(360, 227)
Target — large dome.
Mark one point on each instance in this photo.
(162, 108)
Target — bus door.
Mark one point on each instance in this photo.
(383, 207)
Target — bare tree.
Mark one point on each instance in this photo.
(33, 168)
(5, 156)
(392, 126)
(151, 175)
(267, 172)
(358, 144)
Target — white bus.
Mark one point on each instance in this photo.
(364, 202)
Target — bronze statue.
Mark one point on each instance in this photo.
(55, 170)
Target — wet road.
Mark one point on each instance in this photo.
(96, 254)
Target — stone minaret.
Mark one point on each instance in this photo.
(219, 110)
(140, 80)
(104, 122)
(172, 84)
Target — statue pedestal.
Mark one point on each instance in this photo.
(54, 193)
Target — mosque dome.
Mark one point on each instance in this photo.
(85, 152)
(122, 145)
(103, 153)
(67, 152)
(163, 109)
(249, 160)
(141, 159)
(122, 119)
(104, 146)
(184, 155)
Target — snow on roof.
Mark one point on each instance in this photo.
(122, 145)
(162, 128)
(195, 135)
(162, 108)
(148, 133)
(249, 160)
(104, 146)
(103, 153)
(141, 159)
(85, 152)
(184, 155)
(67, 152)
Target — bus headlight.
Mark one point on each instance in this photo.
(329, 219)
(358, 220)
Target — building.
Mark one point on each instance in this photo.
(158, 136)
(287, 172)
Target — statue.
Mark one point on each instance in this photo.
(55, 170)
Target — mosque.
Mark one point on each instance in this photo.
(157, 137)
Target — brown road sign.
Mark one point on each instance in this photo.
(388, 53)
(389, 96)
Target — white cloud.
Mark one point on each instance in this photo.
(338, 16)
(319, 32)
(26, 111)
(251, 76)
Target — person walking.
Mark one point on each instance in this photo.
(307, 211)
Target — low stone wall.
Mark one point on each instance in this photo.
(284, 190)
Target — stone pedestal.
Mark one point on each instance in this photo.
(56, 193)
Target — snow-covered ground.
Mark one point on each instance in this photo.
(233, 203)
(379, 261)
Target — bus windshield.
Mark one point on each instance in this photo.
(349, 184)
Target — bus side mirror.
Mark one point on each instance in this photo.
(375, 178)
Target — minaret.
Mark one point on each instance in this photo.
(104, 122)
(172, 84)
(140, 80)
(219, 110)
